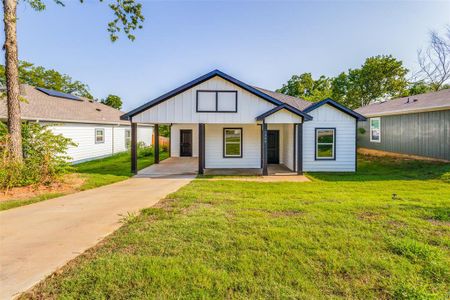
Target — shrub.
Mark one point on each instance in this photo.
(44, 153)
(144, 150)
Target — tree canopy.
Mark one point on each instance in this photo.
(48, 78)
(113, 101)
(380, 76)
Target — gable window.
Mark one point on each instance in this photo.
(375, 130)
(232, 142)
(99, 135)
(216, 101)
(325, 143)
(127, 138)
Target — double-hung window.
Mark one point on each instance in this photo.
(375, 130)
(127, 138)
(325, 143)
(232, 142)
(99, 135)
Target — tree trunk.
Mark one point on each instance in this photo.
(12, 79)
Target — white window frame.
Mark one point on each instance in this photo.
(225, 155)
(333, 144)
(102, 130)
(374, 129)
(127, 138)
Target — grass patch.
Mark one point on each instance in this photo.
(339, 236)
(95, 173)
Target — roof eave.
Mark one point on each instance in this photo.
(336, 105)
(305, 116)
(195, 82)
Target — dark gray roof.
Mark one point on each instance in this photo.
(293, 101)
(418, 103)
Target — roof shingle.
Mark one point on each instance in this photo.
(40, 106)
(424, 102)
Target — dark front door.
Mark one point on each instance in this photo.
(185, 142)
(273, 147)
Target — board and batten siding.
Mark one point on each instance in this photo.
(424, 134)
(251, 147)
(182, 107)
(84, 136)
(327, 116)
(175, 138)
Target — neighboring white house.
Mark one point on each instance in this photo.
(96, 128)
(228, 124)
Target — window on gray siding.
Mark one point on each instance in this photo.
(232, 142)
(375, 130)
(127, 138)
(325, 143)
(99, 135)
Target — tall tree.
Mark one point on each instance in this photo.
(49, 79)
(306, 87)
(127, 17)
(113, 101)
(380, 76)
(434, 62)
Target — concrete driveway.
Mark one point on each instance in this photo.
(37, 239)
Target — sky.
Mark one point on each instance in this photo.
(260, 43)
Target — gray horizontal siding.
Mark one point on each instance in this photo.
(425, 134)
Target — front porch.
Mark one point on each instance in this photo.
(229, 149)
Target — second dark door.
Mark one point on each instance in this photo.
(185, 142)
(273, 147)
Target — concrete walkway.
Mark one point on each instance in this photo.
(37, 239)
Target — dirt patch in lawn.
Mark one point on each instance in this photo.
(69, 184)
(380, 153)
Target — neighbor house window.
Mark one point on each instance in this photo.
(99, 135)
(127, 138)
(325, 143)
(216, 101)
(375, 130)
(232, 142)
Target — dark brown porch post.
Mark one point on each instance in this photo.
(264, 149)
(300, 148)
(134, 148)
(156, 146)
(201, 148)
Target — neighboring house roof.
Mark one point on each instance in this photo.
(439, 100)
(40, 105)
(293, 104)
(336, 105)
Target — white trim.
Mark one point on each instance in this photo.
(102, 135)
(372, 129)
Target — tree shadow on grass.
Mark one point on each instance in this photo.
(372, 168)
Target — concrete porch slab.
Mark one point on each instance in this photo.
(170, 167)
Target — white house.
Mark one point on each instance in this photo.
(228, 124)
(96, 128)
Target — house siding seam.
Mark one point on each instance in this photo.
(424, 134)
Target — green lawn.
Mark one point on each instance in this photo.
(381, 233)
(96, 173)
